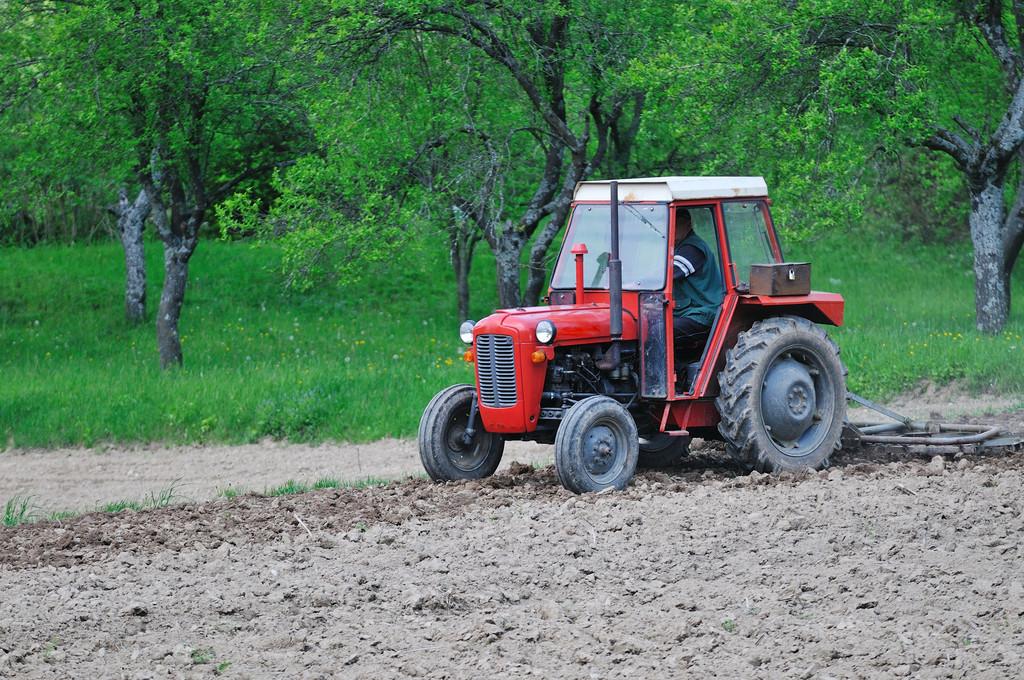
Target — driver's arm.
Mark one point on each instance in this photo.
(687, 261)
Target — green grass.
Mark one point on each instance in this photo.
(154, 500)
(910, 317)
(18, 510)
(292, 487)
(230, 492)
(354, 364)
(358, 363)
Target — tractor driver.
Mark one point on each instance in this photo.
(696, 287)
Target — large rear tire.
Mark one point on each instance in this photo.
(443, 453)
(662, 450)
(783, 396)
(596, 446)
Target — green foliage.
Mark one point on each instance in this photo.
(823, 98)
(208, 84)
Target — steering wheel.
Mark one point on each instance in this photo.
(602, 267)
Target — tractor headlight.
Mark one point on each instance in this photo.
(545, 332)
(466, 331)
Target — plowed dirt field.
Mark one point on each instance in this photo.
(885, 565)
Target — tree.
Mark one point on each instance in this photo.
(555, 66)
(818, 92)
(195, 99)
(985, 157)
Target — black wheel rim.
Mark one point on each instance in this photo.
(465, 457)
(797, 401)
(604, 450)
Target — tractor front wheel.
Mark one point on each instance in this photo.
(783, 396)
(445, 451)
(596, 446)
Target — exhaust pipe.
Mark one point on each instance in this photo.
(610, 361)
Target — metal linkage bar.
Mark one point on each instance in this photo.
(867, 403)
(917, 433)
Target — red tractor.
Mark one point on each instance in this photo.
(598, 374)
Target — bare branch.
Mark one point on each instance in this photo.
(991, 26)
(952, 144)
(971, 131)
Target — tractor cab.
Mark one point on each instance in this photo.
(599, 371)
(731, 216)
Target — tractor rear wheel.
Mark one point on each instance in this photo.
(596, 446)
(783, 396)
(662, 450)
(445, 453)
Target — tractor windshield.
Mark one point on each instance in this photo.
(643, 246)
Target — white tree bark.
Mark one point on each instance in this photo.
(131, 218)
(991, 283)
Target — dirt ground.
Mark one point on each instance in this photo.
(80, 479)
(85, 479)
(885, 565)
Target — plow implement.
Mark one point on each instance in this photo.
(927, 436)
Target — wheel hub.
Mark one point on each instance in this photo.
(463, 455)
(599, 450)
(788, 400)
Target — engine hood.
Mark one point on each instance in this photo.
(574, 324)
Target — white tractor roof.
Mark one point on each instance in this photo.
(673, 188)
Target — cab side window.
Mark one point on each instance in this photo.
(748, 236)
(704, 226)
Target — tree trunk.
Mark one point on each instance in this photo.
(508, 248)
(462, 284)
(991, 290)
(462, 247)
(130, 221)
(177, 252)
(538, 271)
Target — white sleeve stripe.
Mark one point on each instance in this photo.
(684, 265)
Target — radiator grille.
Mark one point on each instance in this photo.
(496, 370)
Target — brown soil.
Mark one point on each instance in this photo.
(85, 479)
(874, 568)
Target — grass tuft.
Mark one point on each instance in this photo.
(230, 492)
(155, 500)
(288, 488)
(18, 510)
(326, 483)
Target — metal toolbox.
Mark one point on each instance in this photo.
(781, 278)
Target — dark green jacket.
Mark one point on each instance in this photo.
(696, 281)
